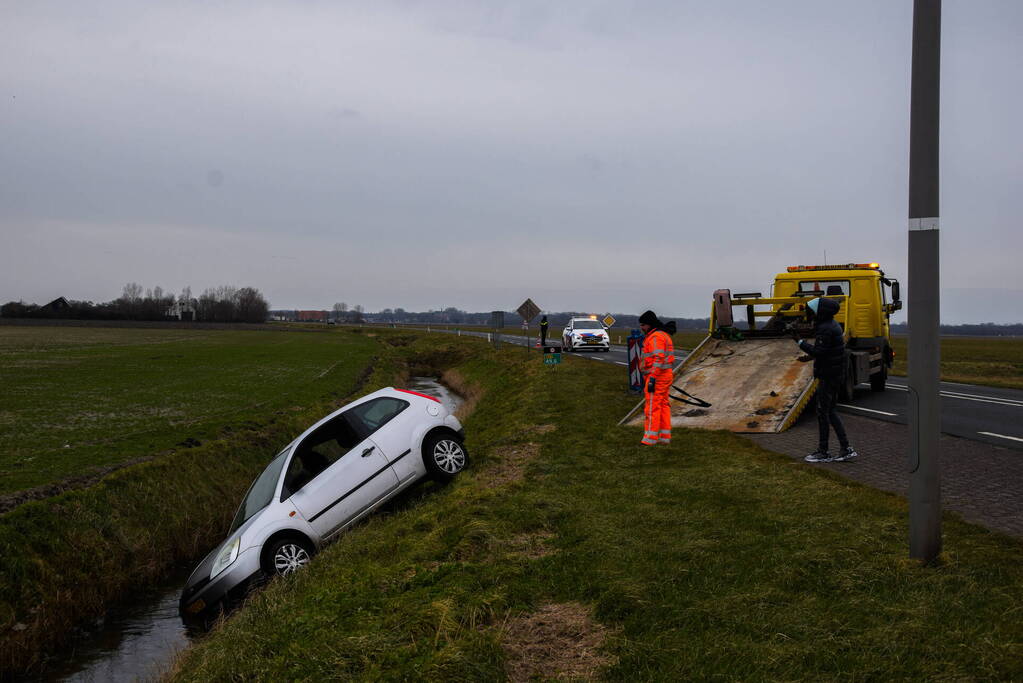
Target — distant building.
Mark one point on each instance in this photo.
(181, 311)
(312, 316)
(58, 304)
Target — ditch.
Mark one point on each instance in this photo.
(139, 639)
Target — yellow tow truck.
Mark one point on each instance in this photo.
(753, 378)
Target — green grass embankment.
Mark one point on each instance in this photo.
(709, 558)
(77, 399)
(64, 559)
(989, 361)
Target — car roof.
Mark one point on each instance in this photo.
(386, 391)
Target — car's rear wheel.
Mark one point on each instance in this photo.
(287, 555)
(444, 456)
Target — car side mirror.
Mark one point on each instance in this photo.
(896, 293)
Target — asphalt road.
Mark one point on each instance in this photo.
(968, 411)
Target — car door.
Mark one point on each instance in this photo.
(395, 420)
(391, 423)
(336, 473)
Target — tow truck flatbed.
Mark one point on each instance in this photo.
(753, 386)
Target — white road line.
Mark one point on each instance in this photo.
(1007, 401)
(969, 397)
(1001, 436)
(621, 362)
(869, 410)
(987, 400)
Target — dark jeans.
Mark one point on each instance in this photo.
(827, 398)
(543, 336)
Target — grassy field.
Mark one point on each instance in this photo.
(64, 558)
(990, 361)
(569, 550)
(75, 399)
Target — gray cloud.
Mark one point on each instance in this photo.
(455, 153)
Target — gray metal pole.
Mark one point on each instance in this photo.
(923, 304)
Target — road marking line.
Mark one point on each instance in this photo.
(970, 397)
(1001, 436)
(869, 410)
(1008, 401)
(621, 362)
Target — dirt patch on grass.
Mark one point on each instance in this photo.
(531, 546)
(12, 500)
(559, 641)
(541, 429)
(508, 464)
(398, 339)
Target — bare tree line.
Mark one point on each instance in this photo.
(216, 304)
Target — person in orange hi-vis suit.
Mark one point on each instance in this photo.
(656, 363)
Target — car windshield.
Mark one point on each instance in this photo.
(260, 493)
(587, 325)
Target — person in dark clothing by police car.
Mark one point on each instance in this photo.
(829, 367)
(543, 330)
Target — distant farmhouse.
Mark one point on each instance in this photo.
(312, 316)
(57, 305)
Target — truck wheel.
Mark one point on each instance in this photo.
(879, 378)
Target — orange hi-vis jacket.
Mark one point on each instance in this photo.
(657, 362)
(658, 353)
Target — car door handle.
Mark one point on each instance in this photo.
(366, 452)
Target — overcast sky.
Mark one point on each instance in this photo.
(603, 155)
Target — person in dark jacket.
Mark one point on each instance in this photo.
(543, 330)
(829, 367)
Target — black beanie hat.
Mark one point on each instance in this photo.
(650, 318)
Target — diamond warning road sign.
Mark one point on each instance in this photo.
(528, 310)
(609, 320)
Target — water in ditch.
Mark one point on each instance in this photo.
(135, 640)
(433, 387)
(139, 639)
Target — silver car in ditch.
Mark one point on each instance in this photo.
(335, 473)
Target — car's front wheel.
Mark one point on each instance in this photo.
(444, 456)
(286, 555)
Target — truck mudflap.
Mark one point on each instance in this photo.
(756, 385)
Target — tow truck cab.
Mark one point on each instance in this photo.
(867, 301)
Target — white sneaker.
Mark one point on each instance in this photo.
(818, 456)
(849, 454)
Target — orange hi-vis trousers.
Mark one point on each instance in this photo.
(658, 360)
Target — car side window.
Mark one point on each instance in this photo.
(318, 451)
(372, 415)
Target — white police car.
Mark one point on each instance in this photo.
(585, 333)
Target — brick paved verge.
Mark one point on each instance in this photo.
(981, 482)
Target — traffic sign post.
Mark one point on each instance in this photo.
(497, 324)
(635, 346)
(528, 310)
(609, 320)
(552, 355)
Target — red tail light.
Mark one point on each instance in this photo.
(409, 391)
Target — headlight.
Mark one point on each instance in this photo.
(227, 555)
